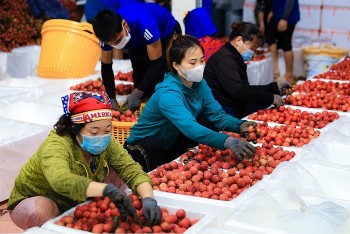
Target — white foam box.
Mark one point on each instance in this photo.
(304, 32)
(341, 38)
(221, 210)
(38, 230)
(335, 17)
(338, 3)
(311, 2)
(310, 17)
(248, 11)
(193, 211)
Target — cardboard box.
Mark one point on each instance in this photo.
(339, 3)
(341, 38)
(335, 17)
(310, 17)
(311, 2)
(248, 12)
(305, 32)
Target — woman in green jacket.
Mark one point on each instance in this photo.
(72, 164)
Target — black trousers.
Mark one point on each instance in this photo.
(150, 153)
(140, 62)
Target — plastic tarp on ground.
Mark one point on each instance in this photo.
(18, 141)
(29, 109)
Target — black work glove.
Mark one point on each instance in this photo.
(277, 100)
(134, 100)
(240, 148)
(121, 200)
(115, 105)
(247, 127)
(284, 87)
(151, 211)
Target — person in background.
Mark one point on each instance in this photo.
(226, 74)
(262, 10)
(76, 162)
(144, 29)
(281, 21)
(199, 24)
(170, 121)
(92, 7)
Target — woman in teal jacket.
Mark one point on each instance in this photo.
(169, 123)
(73, 164)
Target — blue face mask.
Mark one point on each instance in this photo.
(247, 55)
(95, 144)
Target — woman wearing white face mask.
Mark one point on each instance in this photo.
(79, 160)
(169, 124)
(226, 74)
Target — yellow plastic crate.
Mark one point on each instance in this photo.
(121, 130)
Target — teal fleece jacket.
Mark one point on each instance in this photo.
(174, 107)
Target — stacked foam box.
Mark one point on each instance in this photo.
(248, 11)
(334, 22)
(310, 19)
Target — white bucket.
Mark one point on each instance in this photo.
(316, 64)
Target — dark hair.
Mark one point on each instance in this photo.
(248, 31)
(177, 48)
(65, 126)
(106, 24)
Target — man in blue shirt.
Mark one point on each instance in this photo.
(144, 29)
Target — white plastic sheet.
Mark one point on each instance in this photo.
(325, 217)
(18, 141)
(328, 149)
(272, 207)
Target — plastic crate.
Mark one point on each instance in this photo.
(138, 112)
(121, 130)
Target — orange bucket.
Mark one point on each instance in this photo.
(68, 50)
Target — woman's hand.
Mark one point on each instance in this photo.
(151, 211)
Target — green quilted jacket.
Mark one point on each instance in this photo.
(59, 171)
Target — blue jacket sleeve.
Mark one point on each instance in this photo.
(172, 106)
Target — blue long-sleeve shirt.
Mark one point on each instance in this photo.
(174, 107)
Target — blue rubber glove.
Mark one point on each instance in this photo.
(134, 100)
(151, 211)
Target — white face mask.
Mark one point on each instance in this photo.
(193, 75)
(124, 41)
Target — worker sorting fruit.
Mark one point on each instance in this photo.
(79, 160)
(183, 112)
